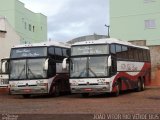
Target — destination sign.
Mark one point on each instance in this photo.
(90, 50)
(28, 52)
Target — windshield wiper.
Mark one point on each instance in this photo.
(83, 73)
(30, 71)
(21, 72)
(89, 69)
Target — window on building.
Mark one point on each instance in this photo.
(150, 24)
(25, 25)
(33, 28)
(30, 27)
(3, 29)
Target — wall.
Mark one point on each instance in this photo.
(127, 20)
(7, 39)
(37, 22)
(155, 62)
(18, 16)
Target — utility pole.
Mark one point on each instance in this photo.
(108, 29)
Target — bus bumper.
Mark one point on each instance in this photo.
(90, 89)
(29, 90)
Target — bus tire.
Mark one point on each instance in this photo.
(139, 86)
(116, 94)
(56, 90)
(85, 95)
(142, 85)
(26, 96)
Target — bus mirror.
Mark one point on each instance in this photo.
(64, 63)
(109, 61)
(46, 64)
(4, 67)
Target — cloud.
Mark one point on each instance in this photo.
(68, 19)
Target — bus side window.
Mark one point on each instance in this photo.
(113, 68)
(51, 52)
(65, 54)
(124, 52)
(148, 55)
(58, 53)
(131, 53)
(140, 53)
(136, 57)
(113, 49)
(51, 68)
(118, 51)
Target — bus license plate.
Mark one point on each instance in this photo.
(27, 90)
(88, 89)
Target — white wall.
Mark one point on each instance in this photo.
(8, 38)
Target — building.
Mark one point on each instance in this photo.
(32, 27)
(86, 38)
(135, 20)
(8, 38)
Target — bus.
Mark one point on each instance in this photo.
(108, 66)
(37, 69)
(3, 76)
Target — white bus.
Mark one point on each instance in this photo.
(4, 76)
(37, 69)
(108, 65)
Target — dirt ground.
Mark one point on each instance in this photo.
(130, 102)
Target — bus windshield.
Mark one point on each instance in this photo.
(89, 67)
(28, 52)
(27, 69)
(90, 50)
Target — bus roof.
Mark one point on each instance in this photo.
(108, 41)
(48, 43)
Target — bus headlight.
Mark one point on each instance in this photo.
(103, 83)
(42, 84)
(107, 83)
(74, 84)
(13, 85)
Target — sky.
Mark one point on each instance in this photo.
(68, 19)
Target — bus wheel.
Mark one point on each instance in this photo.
(56, 90)
(26, 96)
(139, 86)
(142, 85)
(85, 95)
(116, 94)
